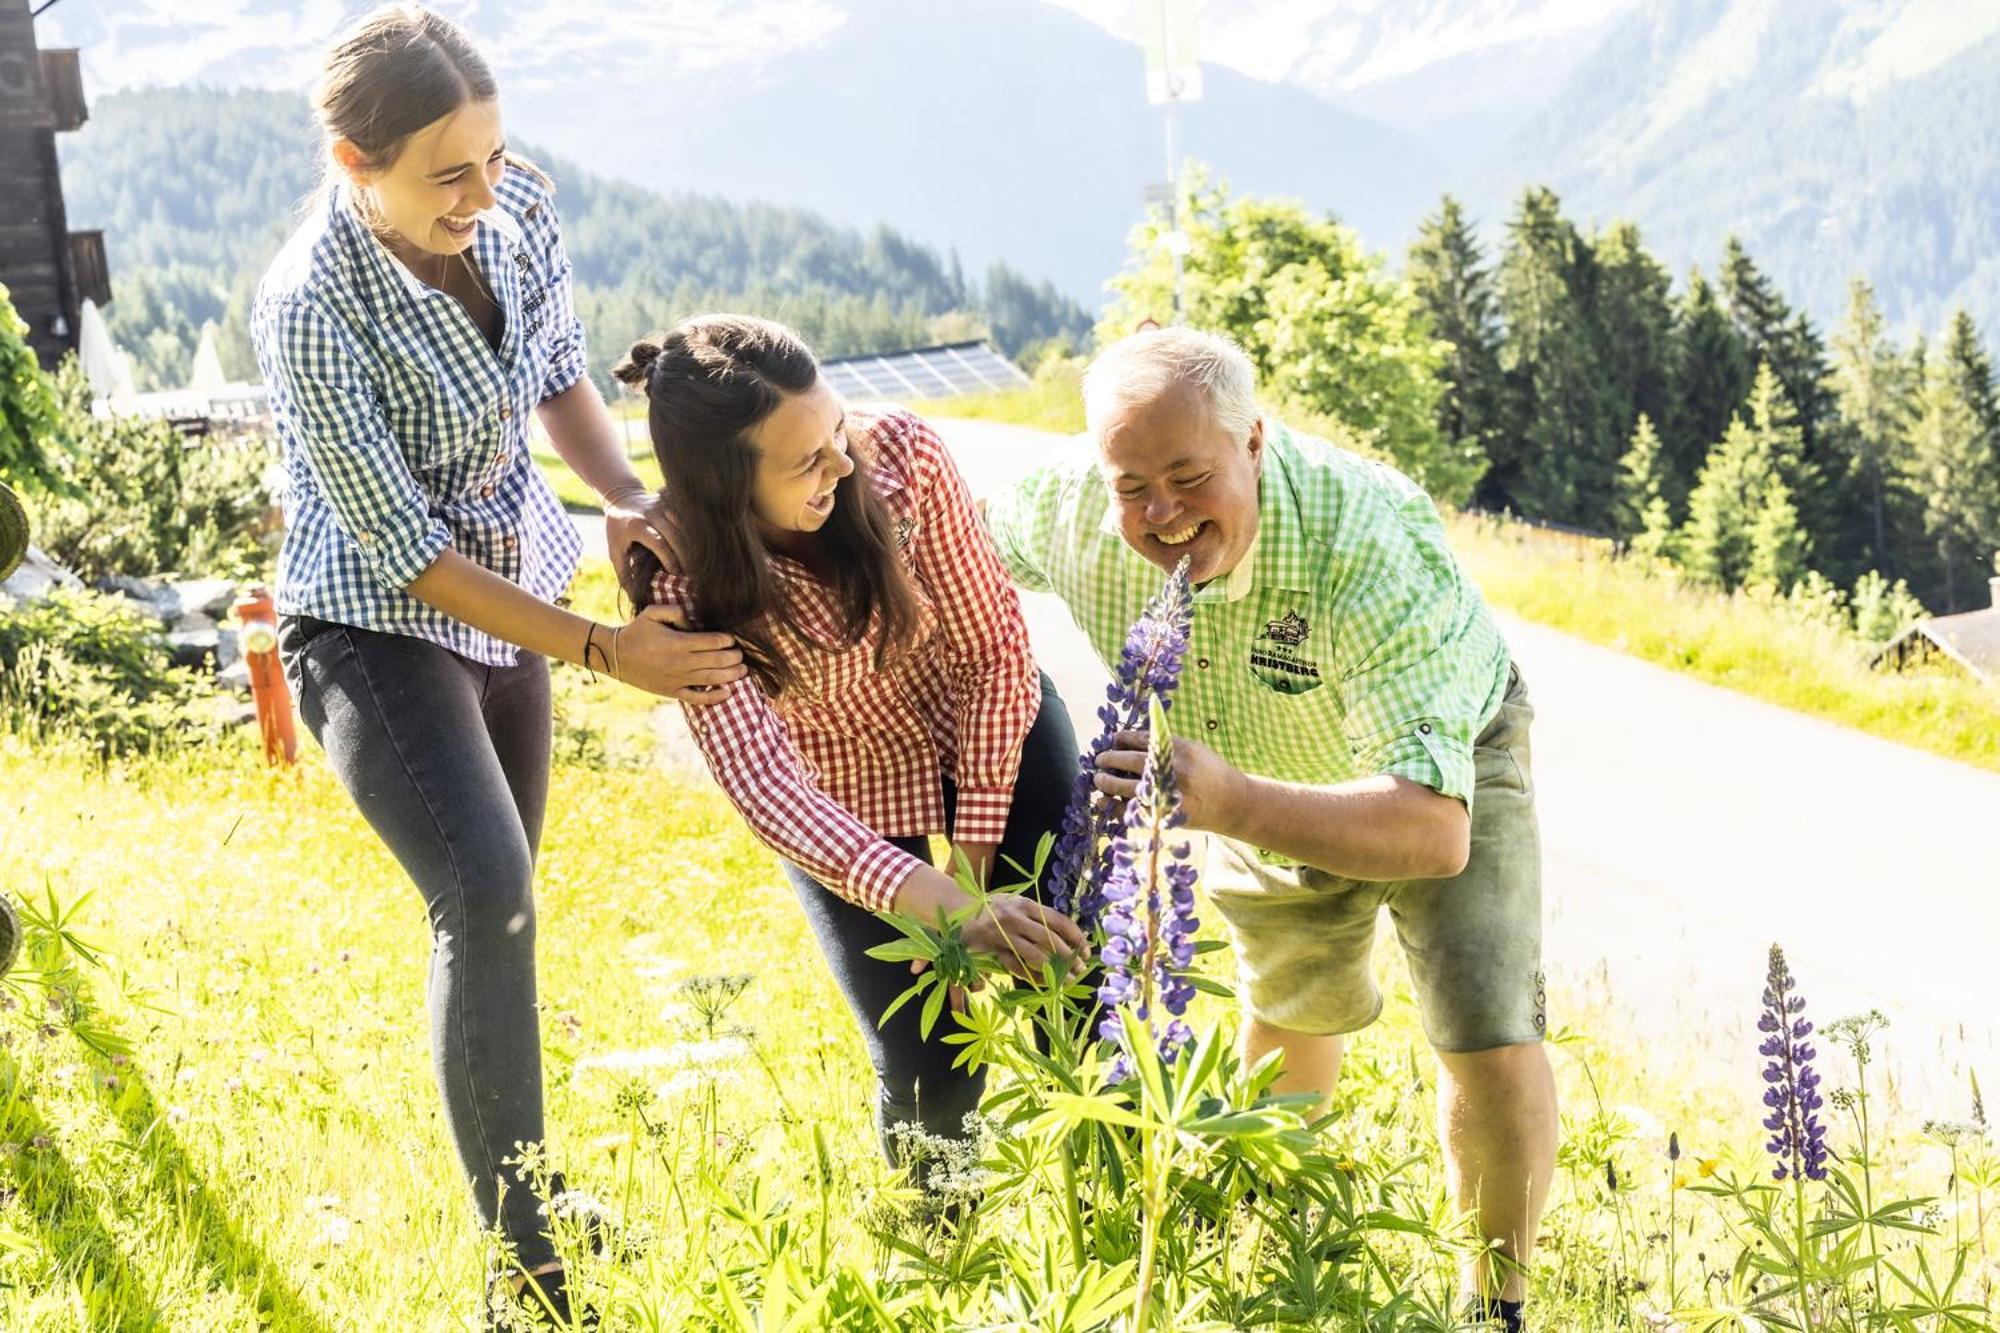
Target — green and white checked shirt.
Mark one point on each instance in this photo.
(1347, 642)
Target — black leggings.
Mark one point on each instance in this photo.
(915, 1080)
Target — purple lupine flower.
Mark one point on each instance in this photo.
(1798, 1139)
(1148, 911)
(1149, 666)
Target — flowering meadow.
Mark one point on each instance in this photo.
(216, 1109)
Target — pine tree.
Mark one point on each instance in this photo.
(1871, 387)
(1715, 543)
(1711, 374)
(1556, 410)
(1452, 284)
(1951, 462)
(1772, 333)
(1778, 542)
(1743, 523)
(1883, 610)
(1641, 478)
(1633, 313)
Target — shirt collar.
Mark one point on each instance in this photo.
(496, 238)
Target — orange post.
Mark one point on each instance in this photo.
(259, 619)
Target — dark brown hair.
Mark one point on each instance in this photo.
(708, 382)
(399, 69)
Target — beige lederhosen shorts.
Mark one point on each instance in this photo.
(1304, 938)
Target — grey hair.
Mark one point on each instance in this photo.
(1142, 366)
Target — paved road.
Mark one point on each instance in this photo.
(1686, 828)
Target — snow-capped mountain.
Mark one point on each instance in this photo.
(1004, 128)
(1460, 74)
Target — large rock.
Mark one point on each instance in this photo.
(149, 597)
(194, 641)
(37, 577)
(208, 597)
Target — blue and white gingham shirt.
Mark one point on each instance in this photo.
(404, 431)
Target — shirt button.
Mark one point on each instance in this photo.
(486, 492)
(1212, 724)
(367, 536)
(1201, 662)
(505, 411)
(1424, 727)
(500, 459)
(510, 541)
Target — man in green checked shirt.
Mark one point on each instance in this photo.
(1351, 730)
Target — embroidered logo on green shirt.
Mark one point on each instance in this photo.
(1278, 655)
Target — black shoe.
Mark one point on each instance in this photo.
(533, 1305)
(1491, 1313)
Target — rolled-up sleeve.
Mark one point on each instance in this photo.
(318, 380)
(753, 760)
(995, 688)
(1021, 521)
(1409, 711)
(566, 340)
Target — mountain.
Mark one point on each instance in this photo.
(997, 128)
(1835, 138)
(1459, 75)
(187, 243)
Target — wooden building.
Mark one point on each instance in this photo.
(48, 269)
(1970, 639)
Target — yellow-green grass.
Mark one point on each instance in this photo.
(1054, 401)
(1737, 641)
(271, 1154)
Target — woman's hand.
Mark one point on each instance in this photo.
(1026, 936)
(637, 516)
(658, 653)
(981, 856)
(1017, 930)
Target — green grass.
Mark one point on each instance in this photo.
(569, 487)
(265, 1149)
(1740, 642)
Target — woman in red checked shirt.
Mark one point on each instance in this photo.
(896, 697)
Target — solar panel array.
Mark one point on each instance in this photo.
(949, 371)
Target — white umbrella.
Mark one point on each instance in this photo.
(207, 379)
(107, 369)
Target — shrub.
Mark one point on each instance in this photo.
(31, 427)
(86, 666)
(142, 500)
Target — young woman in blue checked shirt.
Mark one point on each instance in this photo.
(407, 330)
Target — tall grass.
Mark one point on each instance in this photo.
(1743, 641)
(228, 1123)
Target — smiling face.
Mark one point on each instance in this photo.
(430, 195)
(1181, 484)
(801, 461)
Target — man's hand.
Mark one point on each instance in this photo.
(1211, 788)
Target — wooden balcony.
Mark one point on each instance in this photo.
(62, 85)
(93, 275)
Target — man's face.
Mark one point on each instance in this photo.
(1182, 485)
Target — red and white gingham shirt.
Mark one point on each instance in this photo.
(850, 756)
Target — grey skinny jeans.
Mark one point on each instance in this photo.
(448, 760)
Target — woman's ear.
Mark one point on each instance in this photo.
(353, 163)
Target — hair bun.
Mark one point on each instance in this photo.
(636, 370)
